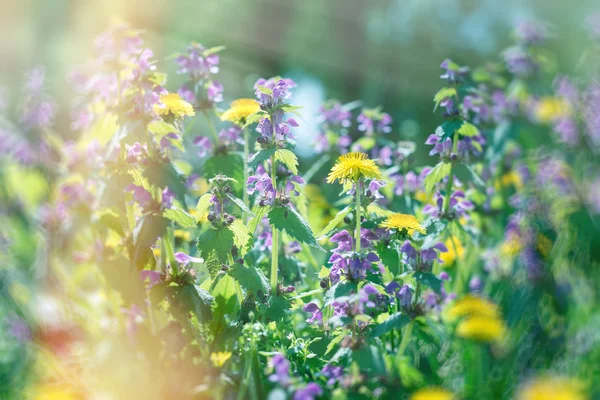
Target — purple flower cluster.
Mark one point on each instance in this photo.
(200, 63)
(281, 370)
(454, 73)
(372, 121)
(345, 262)
(421, 259)
(410, 182)
(308, 392)
(335, 121)
(466, 147)
(37, 110)
(531, 33)
(402, 293)
(459, 205)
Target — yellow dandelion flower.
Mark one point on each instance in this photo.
(556, 388)
(544, 245)
(403, 221)
(173, 104)
(432, 393)
(471, 305)
(352, 166)
(549, 109)
(183, 235)
(481, 328)
(239, 110)
(48, 391)
(455, 251)
(220, 358)
(511, 246)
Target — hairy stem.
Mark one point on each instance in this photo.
(274, 232)
(357, 233)
(246, 153)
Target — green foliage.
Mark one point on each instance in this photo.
(285, 218)
(179, 216)
(250, 278)
(288, 158)
(439, 172)
(215, 246)
(260, 157)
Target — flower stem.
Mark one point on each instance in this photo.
(246, 153)
(405, 338)
(450, 175)
(357, 233)
(211, 126)
(275, 237)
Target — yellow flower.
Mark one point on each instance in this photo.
(483, 328)
(183, 235)
(403, 221)
(432, 393)
(48, 391)
(455, 251)
(471, 305)
(220, 358)
(511, 246)
(352, 166)
(549, 109)
(554, 388)
(173, 104)
(239, 110)
(544, 245)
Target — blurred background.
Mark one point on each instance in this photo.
(386, 52)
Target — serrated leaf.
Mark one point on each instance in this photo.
(442, 94)
(259, 214)
(447, 129)
(181, 217)
(389, 257)
(288, 158)
(287, 219)
(379, 211)
(160, 129)
(241, 234)
(439, 172)
(256, 117)
(468, 129)
(215, 246)
(340, 289)
(145, 233)
(430, 280)
(339, 217)
(193, 298)
(250, 278)
(202, 206)
(336, 340)
(231, 165)
(394, 321)
(261, 156)
(240, 203)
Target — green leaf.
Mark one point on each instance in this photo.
(288, 158)
(181, 217)
(278, 307)
(379, 211)
(250, 278)
(261, 156)
(196, 300)
(241, 234)
(389, 257)
(265, 90)
(145, 233)
(339, 217)
(336, 340)
(213, 50)
(288, 219)
(164, 174)
(107, 218)
(259, 214)
(231, 165)
(439, 172)
(394, 321)
(447, 129)
(202, 206)
(370, 360)
(430, 280)
(240, 203)
(340, 289)
(257, 116)
(442, 94)
(160, 129)
(468, 129)
(215, 246)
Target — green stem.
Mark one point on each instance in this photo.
(275, 236)
(405, 338)
(211, 126)
(357, 233)
(246, 155)
(450, 175)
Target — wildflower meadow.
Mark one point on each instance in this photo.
(172, 243)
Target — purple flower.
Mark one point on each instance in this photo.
(344, 240)
(167, 198)
(273, 91)
(184, 259)
(454, 72)
(198, 63)
(476, 284)
(231, 136)
(531, 33)
(141, 196)
(373, 121)
(204, 145)
(214, 92)
(333, 373)
(374, 187)
(153, 277)
(404, 296)
(519, 62)
(264, 186)
(317, 314)
(281, 370)
(309, 392)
